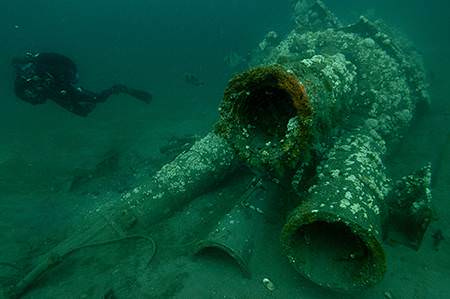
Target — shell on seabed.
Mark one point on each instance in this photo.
(268, 284)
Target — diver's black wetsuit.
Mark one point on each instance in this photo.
(53, 76)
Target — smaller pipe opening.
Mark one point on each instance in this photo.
(331, 255)
(224, 257)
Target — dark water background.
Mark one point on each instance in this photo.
(150, 45)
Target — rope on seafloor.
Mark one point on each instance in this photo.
(54, 259)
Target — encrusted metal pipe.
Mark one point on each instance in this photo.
(335, 236)
(318, 116)
(361, 88)
(207, 163)
(272, 115)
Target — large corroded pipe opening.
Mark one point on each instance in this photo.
(334, 253)
(266, 115)
(268, 101)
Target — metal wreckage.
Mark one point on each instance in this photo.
(308, 126)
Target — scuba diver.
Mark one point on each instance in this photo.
(51, 76)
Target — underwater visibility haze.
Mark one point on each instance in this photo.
(225, 149)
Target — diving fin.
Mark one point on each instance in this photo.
(139, 94)
(135, 93)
